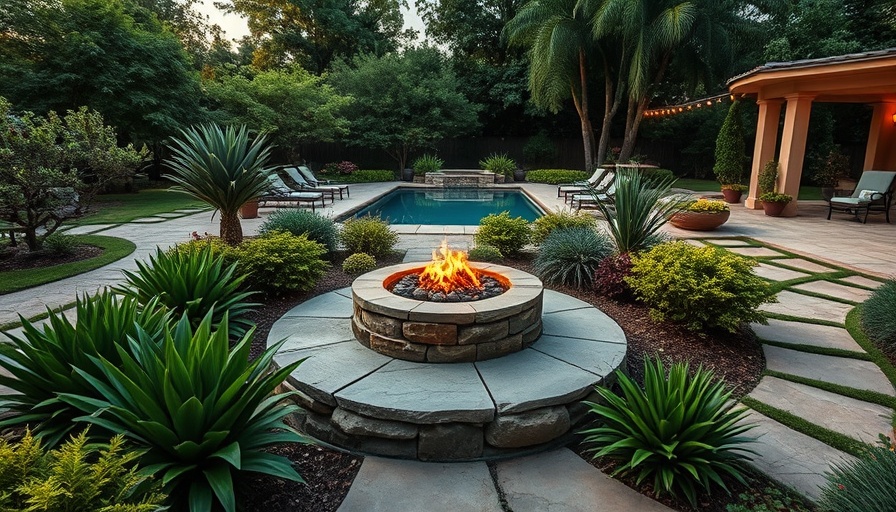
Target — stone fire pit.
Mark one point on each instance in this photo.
(446, 332)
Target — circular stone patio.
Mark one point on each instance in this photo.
(366, 402)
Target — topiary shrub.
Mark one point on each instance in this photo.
(768, 178)
(499, 230)
(485, 253)
(358, 263)
(191, 281)
(863, 485)
(76, 476)
(730, 148)
(556, 176)
(702, 287)
(570, 256)
(879, 316)
(544, 225)
(609, 277)
(370, 235)
(282, 262)
(682, 432)
(303, 222)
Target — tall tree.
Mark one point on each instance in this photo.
(313, 33)
(403, 102)
(471, 28)
(200, 38)
(558, 40)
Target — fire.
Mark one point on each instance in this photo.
(448, 271)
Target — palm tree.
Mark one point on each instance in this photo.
(558, 39)
(222, 168)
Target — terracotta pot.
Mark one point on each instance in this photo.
(731, 196)
(249, 210)
(773, 209)
(699, 221)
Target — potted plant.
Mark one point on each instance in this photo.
(832, 172)
(424, 164)
(249, 210)
(730, 148)
(499, 163)
(701, 215)
(773, 202)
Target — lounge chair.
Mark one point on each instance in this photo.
(311, 181)
(279, 192)
(601, 178)
(874, 192)
(590, 200)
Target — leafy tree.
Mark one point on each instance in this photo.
(403, 101)
(314, 33)
(51, 167)
(200, 38)
(469, 27)
(730, 148)
(294, 106)
(111, 56)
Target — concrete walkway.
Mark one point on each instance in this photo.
(809, 315)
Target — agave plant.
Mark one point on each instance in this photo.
(191, 281)
(638, 210)
(683, 431)
(222, 168)
(201, 411)
(41, 361)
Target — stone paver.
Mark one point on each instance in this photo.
(728, 242)
(325, 331)
(835, 290)
(799, 333)
(560, 481)
(804, 306)
(695, 243)
(808, 266)
(148, 220)
(390, 485)
(845, 371)
(773, 273)
(862, 281)
(597, 357)
(88, 229)
(589, 324)
(854, 418)
(792, 458)
(755, 252)
(169, 215)
(556, 301)
(328, 305)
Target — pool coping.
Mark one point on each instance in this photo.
(432, 229)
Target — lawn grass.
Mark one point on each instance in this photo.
(113, 249)
(120, 208)
(806, 192)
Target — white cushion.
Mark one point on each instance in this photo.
(868, 195)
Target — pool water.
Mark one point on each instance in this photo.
(451, 206)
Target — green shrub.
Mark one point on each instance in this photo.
(702, 287)
(768, 499)
(504, 233)
(654, 178)
(863, 485)
(498, 163)
(570, 256)
(370, 235)
(201, 411)
(191, 282)
(768, 177)
(730, 148)
(41, 360)
(609, 277)
(302, 222)
(706, 206)
(368, 176)
(427, 163)
(544, 225)
(282, 262)
(486, 253)
(76, 476)
(775, 197)
(539, 149)
(878, 318)
(638, 211)
(60, 244)
(555, 176)
(682, 431)
(358, 263)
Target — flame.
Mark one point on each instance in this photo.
(448, 271)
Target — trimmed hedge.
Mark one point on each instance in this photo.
(555, 176)
(362, 176)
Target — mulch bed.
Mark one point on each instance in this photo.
(20, 258)
(737, 358)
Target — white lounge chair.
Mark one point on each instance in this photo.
(314, 182)
(601, 178)
(590, 200)
(279, 192)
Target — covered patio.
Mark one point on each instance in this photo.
(868, 78)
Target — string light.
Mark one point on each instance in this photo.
(675, 109)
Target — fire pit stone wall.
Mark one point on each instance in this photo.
(446, 332)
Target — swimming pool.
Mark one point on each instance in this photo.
(450, 206)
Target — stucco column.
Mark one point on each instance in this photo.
(880, 153)
(765, 145)
(793, 148)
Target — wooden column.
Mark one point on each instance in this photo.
(880, 153)
(764, 148)
(793, 148)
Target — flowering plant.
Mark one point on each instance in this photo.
(706, 205)
(343, 167)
